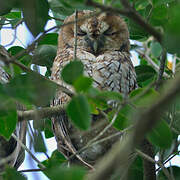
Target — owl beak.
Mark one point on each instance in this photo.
(95, 46)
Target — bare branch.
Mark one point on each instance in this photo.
(40, 113)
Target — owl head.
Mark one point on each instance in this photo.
(96, 34)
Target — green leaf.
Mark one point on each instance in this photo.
(122, 120)
(175, 118)
(26, 59)
(6, 6)
(50, 39)
(159, 15)
(82, 84)
(56, 159)
(160, 2)
(145, 99)
(136, 32)
(136, 169)
(14, 50)
(161, 135)
(144, 73)
(170, 41)
(13, 15)
(8, 118)
(65, 173)
(156, 49)
(48, 129)
(175, 170)
(141, 4)
(35, 13)
(44, 55)
(172, 29)
(39, 144)
(79, 112)
(67, 7)
(72, 71)
(31, 88)
(110, 95)
(11, 173)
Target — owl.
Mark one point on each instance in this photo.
(103, 47)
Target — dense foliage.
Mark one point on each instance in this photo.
(35, 91)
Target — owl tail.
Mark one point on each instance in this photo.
(64, 144)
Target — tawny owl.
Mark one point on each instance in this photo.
(103, 47)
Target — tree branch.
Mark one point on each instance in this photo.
(40, 113)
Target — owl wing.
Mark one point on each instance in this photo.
(113, 71)
(61, 124)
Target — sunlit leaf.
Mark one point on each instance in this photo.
(79, 112)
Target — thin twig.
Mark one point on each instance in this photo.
(151, 62)
(145, 156)
(57, 19)
(75, 34)
(161, 68)
(25, 148)
(168, 159)
(30, 170)
(107, 127)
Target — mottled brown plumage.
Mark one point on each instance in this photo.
(103, 47)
